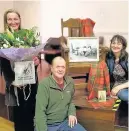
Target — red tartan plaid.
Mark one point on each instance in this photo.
(87, 28)
(98, 79)
(108, 103)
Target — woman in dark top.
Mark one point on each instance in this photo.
(20, 98)
(117, 62)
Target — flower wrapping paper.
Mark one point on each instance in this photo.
(21, 54)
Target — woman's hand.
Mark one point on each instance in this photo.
(117, 88)
(114, 91)
(19, 86)
(36, 60)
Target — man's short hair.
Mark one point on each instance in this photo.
(57, 58)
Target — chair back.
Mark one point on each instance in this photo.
(74, 27)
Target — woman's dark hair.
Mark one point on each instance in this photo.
(123, 41)
(120, 39)
(5, 17)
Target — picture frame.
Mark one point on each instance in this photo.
(102, 96)
(83, 49)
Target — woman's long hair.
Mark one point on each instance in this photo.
(5, 18)
(5, 27)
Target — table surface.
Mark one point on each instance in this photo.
(82, 102)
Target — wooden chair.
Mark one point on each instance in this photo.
(74, 27)
(79, 71)
(75, 30)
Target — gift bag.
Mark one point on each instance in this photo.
(24, 73)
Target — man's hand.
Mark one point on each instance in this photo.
(72, 121)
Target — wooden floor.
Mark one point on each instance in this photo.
(6, 125)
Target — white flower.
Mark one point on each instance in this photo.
(5, 46)
(22, 41)
(7, 43)
(18, 39)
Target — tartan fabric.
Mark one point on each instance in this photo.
(98, 79)
(108, 103)
(87, 27)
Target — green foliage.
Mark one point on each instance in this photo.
(22, 38)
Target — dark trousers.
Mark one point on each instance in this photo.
(24, 113)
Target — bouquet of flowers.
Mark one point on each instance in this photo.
(20, 45)
(22, 38)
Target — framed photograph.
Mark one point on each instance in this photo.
(102, 96)
(83, 49)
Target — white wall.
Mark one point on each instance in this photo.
(111, 17)
(4, 5)
(29, 11)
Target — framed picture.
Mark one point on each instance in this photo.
(83, 49)
(102, 96)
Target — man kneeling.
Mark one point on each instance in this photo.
(54, 108)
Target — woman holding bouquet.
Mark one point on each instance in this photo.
(20, 98)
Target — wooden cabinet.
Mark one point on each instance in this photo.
(101, 119)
